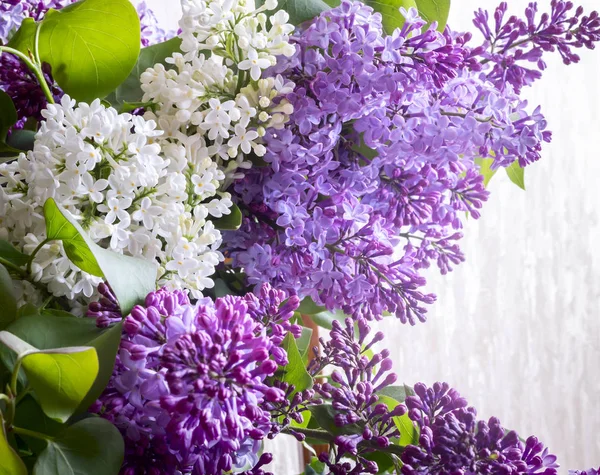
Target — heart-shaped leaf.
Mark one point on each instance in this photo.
(92, 45)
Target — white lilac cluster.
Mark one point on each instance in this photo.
(216, 95)
(108, 170)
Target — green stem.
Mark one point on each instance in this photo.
(35, 251)
(31, 433)
(35, 69)
(15, 377)
(312, 433)
(4, 397)
(13, 267)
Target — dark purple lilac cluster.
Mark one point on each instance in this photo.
(189, 387)
(356, 381)
(452, 440)
(371, 178)
(511, 42)
(22, 86)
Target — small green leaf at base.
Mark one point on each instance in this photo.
(516, 174)
(92, 446)
(295, 372)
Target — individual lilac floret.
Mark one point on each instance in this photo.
(356, 381)
(188, 390)
(452, 440)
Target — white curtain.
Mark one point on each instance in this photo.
(516, 329)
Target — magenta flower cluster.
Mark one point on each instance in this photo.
(189, 384)
(373, 176)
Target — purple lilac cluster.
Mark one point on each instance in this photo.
(512, 42)
(367, 424)
(189, 385)
(370, 180)
(591, 471)
(452, 440)
(15, 77)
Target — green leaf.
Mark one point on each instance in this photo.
(390, 12)
(92, 45)
(22, 140)
(22, 40)
(10, 462)
(316, 467)
(61, 378)
(54, 329)
(303, 343)
(131, 279)
(10, 253)
(399, 393)
(434, 10)
(302, 10)
(309, 307)
(325, 319)
(295, 372)
(8, 300)
(409, 433)
(485, 169)
(516, 174)
(306, 416)
(8, 114)
(324, 415)
(384, 461)
(231, 221)
(92, 447)
(29, 415)
(130, 91)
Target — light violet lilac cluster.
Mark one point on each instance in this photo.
(452, 440)
(189, 386)
(371, 179)
(15, 77)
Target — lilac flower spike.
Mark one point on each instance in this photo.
(188, 390)
(453, 441)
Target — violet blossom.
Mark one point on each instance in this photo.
(189, 387)
(452, 440)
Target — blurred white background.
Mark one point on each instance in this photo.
(516, 329)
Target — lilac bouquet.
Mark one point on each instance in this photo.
(180, 216)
